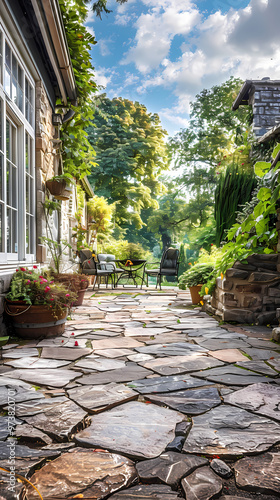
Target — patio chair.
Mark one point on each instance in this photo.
(92, 268)
(107, 262)
(168, 266)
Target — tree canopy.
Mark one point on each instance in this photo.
(130, 155)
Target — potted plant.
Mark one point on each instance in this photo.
(77, 283)
(195, 278)
(37, 306)
(60, 186)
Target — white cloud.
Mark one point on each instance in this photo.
(156, 30)
(102, 77)
(104, 47)
(242, 42)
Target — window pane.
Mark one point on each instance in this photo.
(26, 153)
(1, 229)
(1, 57)
(1, 175)
(14, 187)
(9, 183)
(27, 198)
(7, 69)
(27, 234)
(1, 126)
(8, 140)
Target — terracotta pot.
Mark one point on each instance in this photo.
(31, 322)
(196, 298)
(79, 301)
(59, 189)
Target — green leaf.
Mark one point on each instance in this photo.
(264, 194)
(262, 168)
(275, 151)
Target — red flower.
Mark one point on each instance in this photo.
(76, 343)
(47, 289)
(22, 269)
(35, 267)
(72, 333)
(212, 244)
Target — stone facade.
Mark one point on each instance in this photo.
(265, 100)
(249, 293)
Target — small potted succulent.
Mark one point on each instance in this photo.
(60, 186)
(195, 278)
(36, 305)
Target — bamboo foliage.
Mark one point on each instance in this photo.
(233, 190)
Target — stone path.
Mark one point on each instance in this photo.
(143, 397)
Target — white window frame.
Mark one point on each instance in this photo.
(13, 113)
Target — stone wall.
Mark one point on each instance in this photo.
(265, 100)
(249, 293)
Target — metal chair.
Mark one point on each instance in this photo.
(107, 262)
(92, 268)
(169, 266)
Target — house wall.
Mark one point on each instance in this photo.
(249, 293)
(265, 100)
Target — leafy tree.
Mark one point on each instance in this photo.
(208, 144)
(130, 155)
(101, 6)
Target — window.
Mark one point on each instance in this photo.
(17, 157)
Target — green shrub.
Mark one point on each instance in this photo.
(198, 274)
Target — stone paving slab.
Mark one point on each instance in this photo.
(20, 352)
(32, 407)
(177, 349)
(18, 394)
(146, 492)
(181, 364)
(191, 402)
(228, 431)
(33, 363)
(144, 331)
(168, 468)
(116, 343)
(65, 353)
(263, 399)
(260, 473)
(262, 354)
(59, 421)
(228, 355)
(166, 384)
(114, 353)
(202, 484)
(80, 471)
(140, 430)
(45, 377)
(101, 397)
(259, 367)
(232, 375)
(101, 365)
(218, 344)
(131, 372)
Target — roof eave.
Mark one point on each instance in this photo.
(242, 96)
(49, 18)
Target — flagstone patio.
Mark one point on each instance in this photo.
(153, 394)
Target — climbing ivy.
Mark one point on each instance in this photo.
(77, 152)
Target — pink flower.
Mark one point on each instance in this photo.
(41, 277)
(35, 267)
(47, 289)
(28, 281)
(51, 282)
(51, 299)
(242, 163)
(76, 343)
(22, 269)
(67, 295)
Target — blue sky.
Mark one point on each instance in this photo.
(163, 52)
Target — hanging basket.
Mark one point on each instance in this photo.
(35, 321)
(59, 188)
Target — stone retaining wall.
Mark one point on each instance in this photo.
(249, 293)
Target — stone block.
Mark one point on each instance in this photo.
(259, 257)
(276, 334)
(236, 273)
(227, 285)
(252, 302)
(263, 277)
(268, 317)
(238, 315)
(219, 283)
(244, 267)
(250, 288)
(274, 292)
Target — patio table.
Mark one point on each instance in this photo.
(131, 268)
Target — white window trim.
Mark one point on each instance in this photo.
(11, 110)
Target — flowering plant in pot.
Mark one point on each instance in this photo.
(194, 278)
(37, 305)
